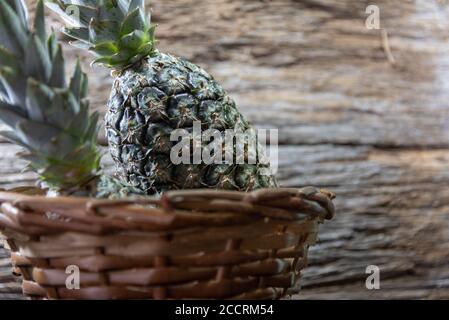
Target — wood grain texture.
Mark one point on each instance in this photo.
(374, 132)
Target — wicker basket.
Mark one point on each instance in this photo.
(199, 244)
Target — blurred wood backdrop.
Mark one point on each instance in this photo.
(362, 112)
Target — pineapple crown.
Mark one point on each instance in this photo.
(118, 32)
(48, 117)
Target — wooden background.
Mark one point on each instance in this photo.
(362, 112)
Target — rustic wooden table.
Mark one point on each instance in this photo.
(362, 112)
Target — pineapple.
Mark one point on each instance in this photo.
(48, 117)
(154, 94)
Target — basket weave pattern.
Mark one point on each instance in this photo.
(198, 244)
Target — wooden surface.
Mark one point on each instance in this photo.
(372, 128)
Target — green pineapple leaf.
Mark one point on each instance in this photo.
(137, 4)
(133, 40)
(20, 10)
(38, 95)
(76, 82)
(107, 48)
(13, 31)
(8, 59)
(57, 78)
(86, 14)
(133, 21)
(9, 114)
(119, 32)
(13, 138)
(39, 22)
(37, 60)
(80, 34)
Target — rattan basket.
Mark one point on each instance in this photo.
(199, 244)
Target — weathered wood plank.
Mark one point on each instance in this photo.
(375, 133)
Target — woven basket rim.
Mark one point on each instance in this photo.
(172, 210)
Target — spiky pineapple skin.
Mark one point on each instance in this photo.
(150, 100)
